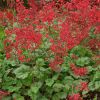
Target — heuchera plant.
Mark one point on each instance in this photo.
(51, 50)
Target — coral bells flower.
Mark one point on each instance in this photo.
(19, 52)
(94, 44)
(24, 39)
(3, 93)
(71, 33)
(47, 16)
(78, 71)
(1, 15)
(55, 66)
(75, 97)
(9, 15)
(17, 0)
(84, 86)
(67, 23)
(21, 58)
(8, 55)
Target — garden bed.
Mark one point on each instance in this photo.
(50, 50)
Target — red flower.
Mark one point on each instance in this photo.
(74, 56)
(9, 15)
(84, 86)
(66, 23)
(3, 93)
(22, 58)
(78, 71)
(1, 15)
(8, 55)
(19, 52)
(75, 97)
(55, 66)
(17, 0)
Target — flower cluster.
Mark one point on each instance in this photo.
(79, 71)
(78, 18)
(20, 40)
(75, 97)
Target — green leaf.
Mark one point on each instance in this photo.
(27, 81)
(62, 95)
(55, 76)
(67, 86)
(32, 95)
(12, 85)
(96, 76)
(81, 51)
(55, 22)
(18, 96)
(91, 86)
(95, 98)
(15, 24)
(84, 92)
(43, 98)
(13, 63)
(1, 45)
(22, 72)
(90, 69)
(42, 69)
(59, 96)
(91, 34)
(97, 85)
(6, 98)
(65, 68)
(83, 61)
(49, 91)
(40, 62)
(49, 82)
(68, 80)
(36, 86)
(58, 87)
(14, 88)
(1, 32)
(55, 97)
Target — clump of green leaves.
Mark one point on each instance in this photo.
(35, 81)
